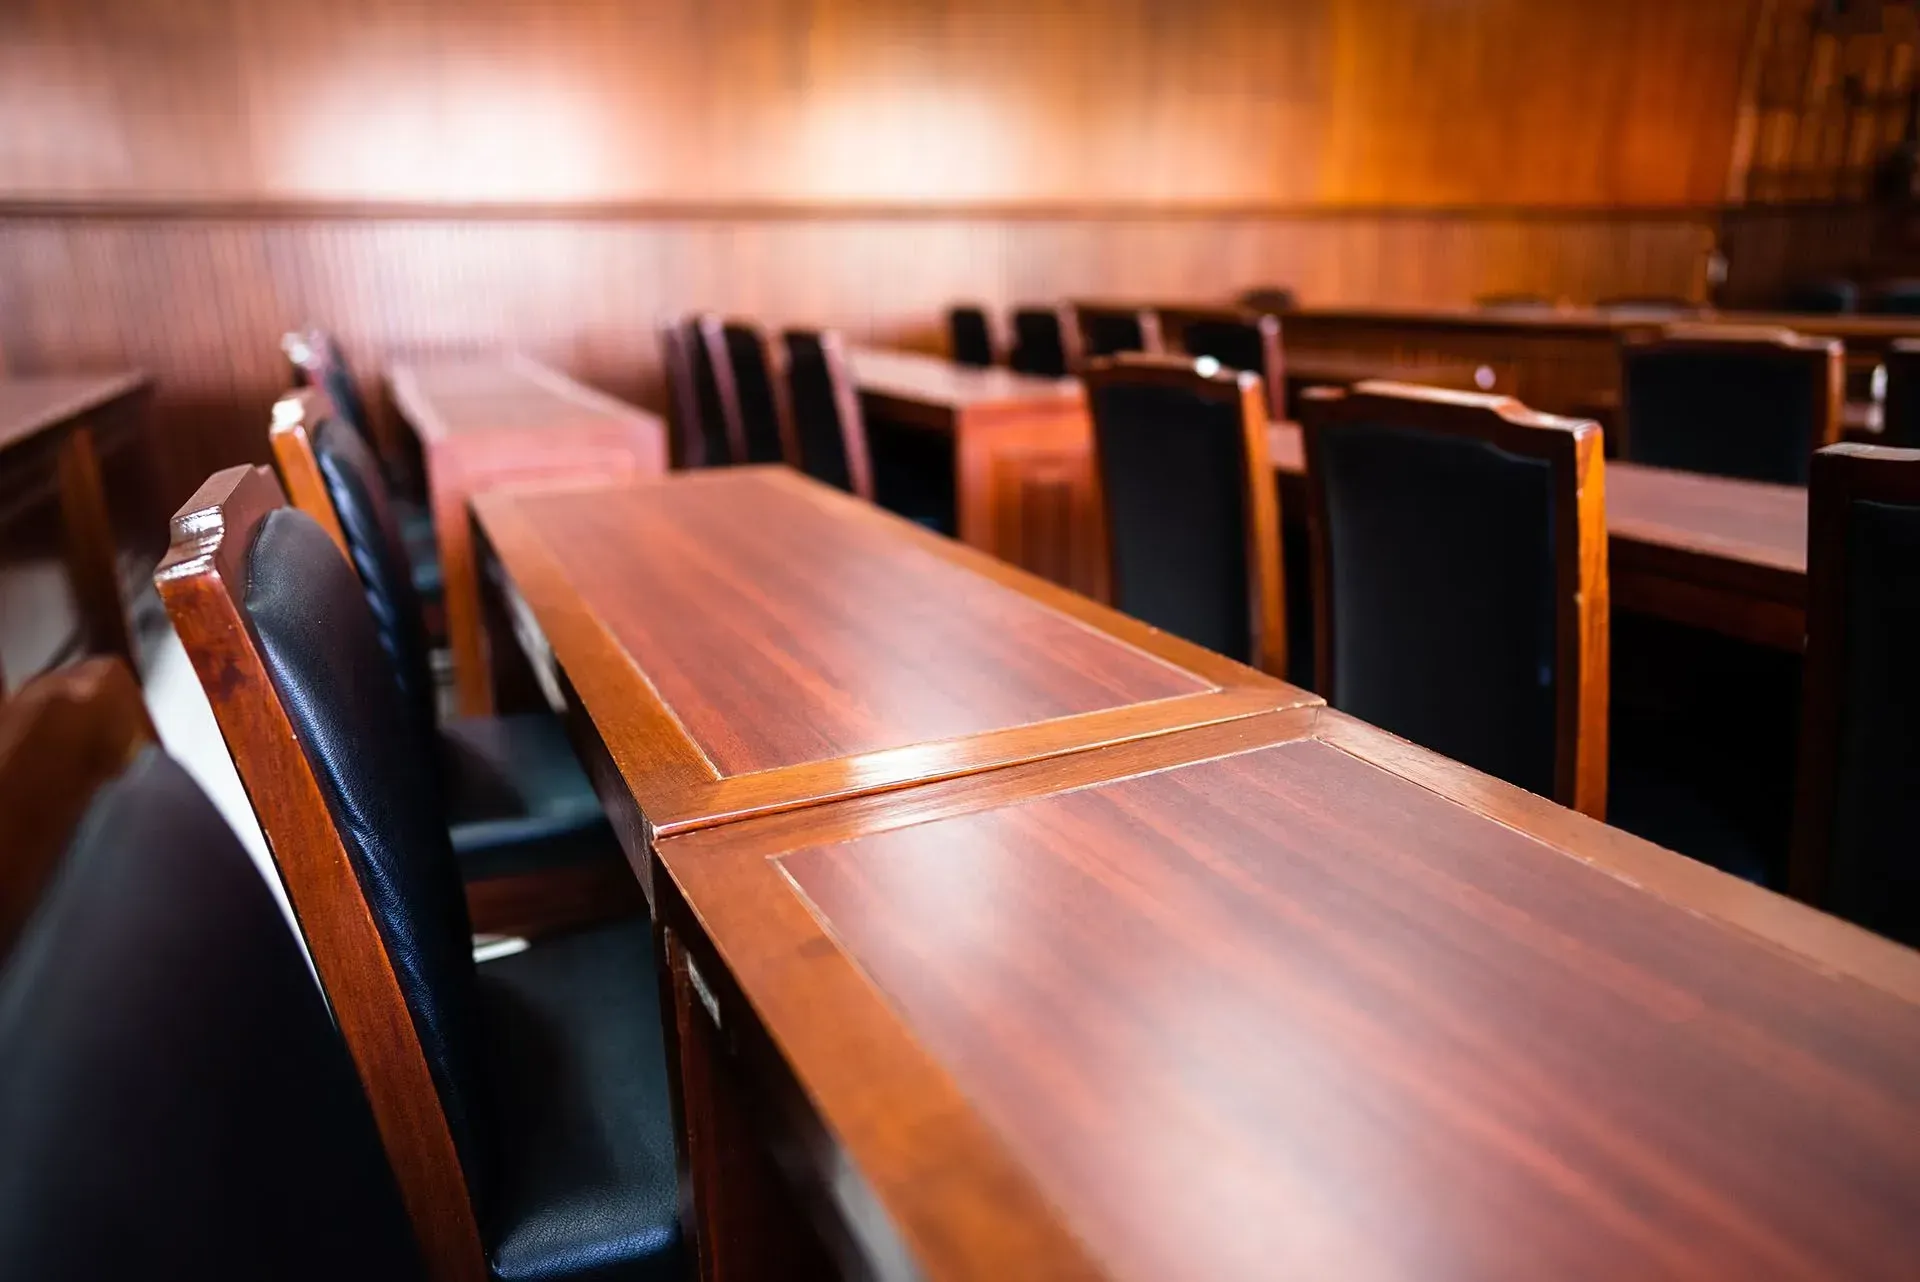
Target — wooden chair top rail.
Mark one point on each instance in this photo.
(727, 676)
(29, 406)
(1288, 996)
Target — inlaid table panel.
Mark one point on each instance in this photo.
(1713, 552)
(1287, 998)
(487, 421)
(744, 639)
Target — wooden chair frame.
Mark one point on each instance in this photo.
(1266, 589)
(203, 580)
(296, 417)
(1573, 448)
(1174, 322)
(846, 403)
(686, 439)
(1842, 475)
(64, 735)
(1826, 357)
(774, 357)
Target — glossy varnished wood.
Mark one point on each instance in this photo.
(203, 581)
(1714, 552)
(1021, 449)
(64, 735)
(296, 417)
(491, 421)
(1288, 996)
(725, 674)
(56, 425)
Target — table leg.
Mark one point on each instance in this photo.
(92, 558)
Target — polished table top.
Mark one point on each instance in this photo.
(921, 378)
(745, 639)
(1287, 997)
(478, 395)
(29, 406)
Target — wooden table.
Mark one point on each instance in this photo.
(53, 432)
(1284, 997)
(1019, 450)
(486, 421)
(742, 640)
(1709, 551)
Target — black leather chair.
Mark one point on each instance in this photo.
(523, 1103)
(827, 424)
(758, 383)
(1111, 331)
(1823, 297)
(687, 428)
(1730, 400)
(1046, 342)
(1191, 510)
(1856, 849)
(175, 1099)
(1239, 341)
(1900, 421)
(1895, 298)
(714, 390)
(516, 802)
(970, 336)
(317, 361)
(1459, 580)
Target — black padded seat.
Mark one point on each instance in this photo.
(969, 337)
(1039, 344)
(1823, 297)
(584, 1183)
(549, 1070)
(1109, 333)
(1724, 412)
(515, 794)
(174, 1096)
(754, 382)
(422, 543)
(1442, 581)
(517, 799)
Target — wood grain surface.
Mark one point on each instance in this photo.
(1290, 997)
(492, 421)
(746, 639)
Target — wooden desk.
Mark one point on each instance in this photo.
(1280, 998)
(60, 585)
(743, 640)
(490, 421)
(1709, 551)
(1022, 488)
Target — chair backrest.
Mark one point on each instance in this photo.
(827, 424)
(330, 475)
(1856, 846)
(1460, 582)
(1900, 422)
(276, 624)
(970, 336)
(1189, 505)
(685, 428)
(62, 736)
(1046, 341)
(1238, 340)
(318, 362)
(1895, 298)
(1730, 400)
(759, 378)
(718, 391)
(1823, 297)
(175, 1098)
(1109, 331)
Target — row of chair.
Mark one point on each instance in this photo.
(1840, 296)
(521, 1103)
(735, 394)
(1460, 595)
